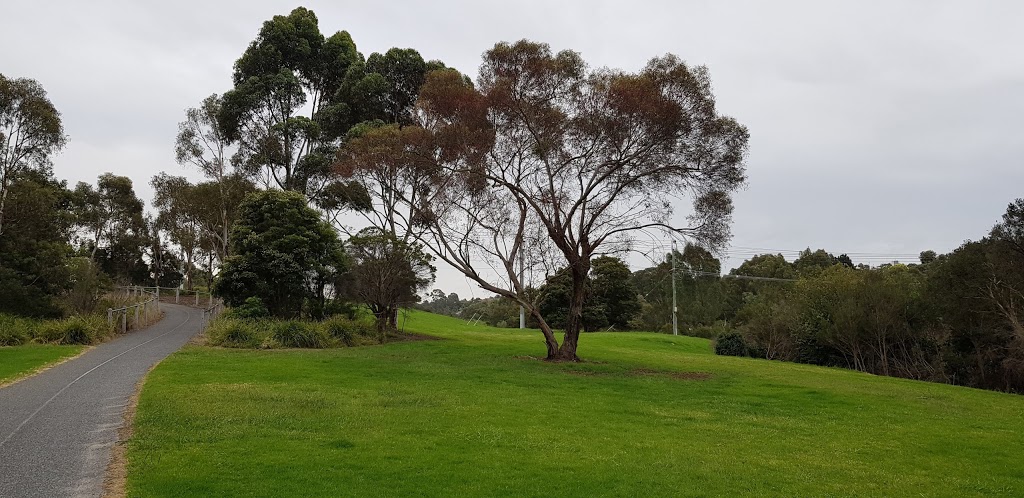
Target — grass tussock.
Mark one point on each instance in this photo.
(335, 332)
(81, 330)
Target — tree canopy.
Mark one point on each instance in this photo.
(283, 254)
(543, 152)
(30, 131)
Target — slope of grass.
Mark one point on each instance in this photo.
(19, 361)
(476, 415)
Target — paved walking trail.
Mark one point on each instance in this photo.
(57, 428)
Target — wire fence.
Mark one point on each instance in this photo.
(147, 310)
(143, 311)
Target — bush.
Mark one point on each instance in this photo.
(348, 331)
(252, 309)
(15, 331)
(298, 334)
(74, 330)
(233, 333)
(712, 331)
(731, 344)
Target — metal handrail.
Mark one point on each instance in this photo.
(152, 302)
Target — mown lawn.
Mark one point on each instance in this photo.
(19, 361)
(474, 415)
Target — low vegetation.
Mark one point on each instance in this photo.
(88, 329)
(478, 414)
(264, 333)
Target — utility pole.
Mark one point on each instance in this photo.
(522, 310)
(675, 308)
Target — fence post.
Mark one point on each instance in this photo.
(110, 318)
(197, 298)
(124, 321)
(177, 294)
(136, 316)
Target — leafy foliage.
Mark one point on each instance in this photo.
(731, 344)
(30, 131)
(610, 300)
(544, 152)
(386, 274)
(283, 254)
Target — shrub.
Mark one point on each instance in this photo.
(74, 330)
(15, 331)
(348, 331)
(252, 309)
(707, 331)
(233, 333)
(731, 344)
(298, 334)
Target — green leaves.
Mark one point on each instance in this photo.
(284, 254)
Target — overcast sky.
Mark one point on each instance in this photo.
(877, 128)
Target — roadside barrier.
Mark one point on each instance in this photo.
(145, 308)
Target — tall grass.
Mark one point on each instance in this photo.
(89, 329)
(337, 331)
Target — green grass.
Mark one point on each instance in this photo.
(474, 415)
(19, 361)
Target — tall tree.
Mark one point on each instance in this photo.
(1010, 231)
(34, 252)
(290, 68)
(110, 220)
(197, 216)
(382, 92)
(30, 131)
(586, 159)
(203, 144)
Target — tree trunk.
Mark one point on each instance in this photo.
(3, 202)
(549, 335)
(574, 322)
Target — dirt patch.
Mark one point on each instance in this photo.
(584, 373)
(527, 357)
(691, 375)
(411, 336)
(646, 372)
(116, 479)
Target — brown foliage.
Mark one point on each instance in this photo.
(545, 155)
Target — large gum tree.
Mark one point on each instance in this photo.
(547, 155)
(30, 131)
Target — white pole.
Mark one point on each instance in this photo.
(522, 310)
(675, 308)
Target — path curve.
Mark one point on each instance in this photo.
(57, 428)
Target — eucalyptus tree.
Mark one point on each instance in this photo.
(202, 143)
(199, 215)
(30, 131)
(282, 112)
(542, 145)
(111, 227)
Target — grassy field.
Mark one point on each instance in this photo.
(475, 415)
(18, 361)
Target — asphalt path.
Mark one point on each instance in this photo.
(57, 428)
